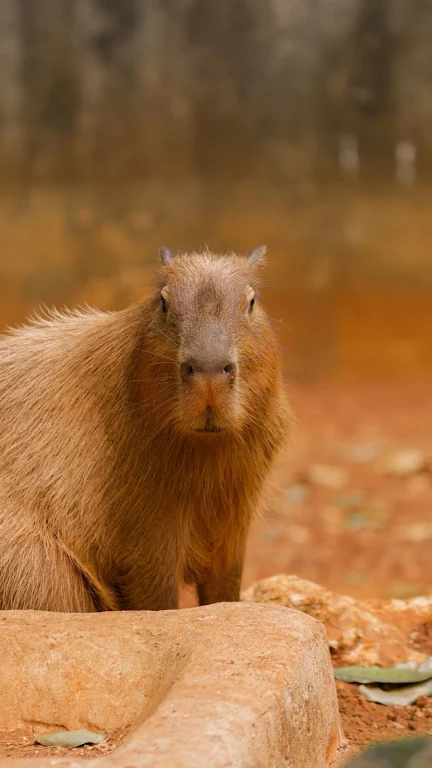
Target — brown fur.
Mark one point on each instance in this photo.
(109, 497)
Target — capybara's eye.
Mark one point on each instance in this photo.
(163, 298)
(250, 295)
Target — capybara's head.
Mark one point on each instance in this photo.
(216, 351)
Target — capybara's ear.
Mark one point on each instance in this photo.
(257, 257)
(165, 255)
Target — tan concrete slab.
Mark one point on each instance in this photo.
(247, 685)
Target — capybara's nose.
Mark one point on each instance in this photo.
(208, 366)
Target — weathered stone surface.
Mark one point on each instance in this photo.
(359, 632)
(225, 685)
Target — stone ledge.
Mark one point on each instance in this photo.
(225, 685)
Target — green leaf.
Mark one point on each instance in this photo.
(352, 499)
(414, 751)
(404, 589)
(69, 738)
(385, 675)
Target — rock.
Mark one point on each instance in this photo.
(359, 632)
(403, 463)
(223, 685)
(413, 532)
(327, 476)
(360, 453)
(406, 753)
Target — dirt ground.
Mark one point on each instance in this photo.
(365, 723)
(369, 535)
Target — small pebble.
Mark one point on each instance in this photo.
(403, 463)
(326, 476)
(415, 532)
(423, 701)
(360, 453)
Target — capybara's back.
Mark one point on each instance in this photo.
(134, 445)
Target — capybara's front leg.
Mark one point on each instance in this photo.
(222, 589)
(148, 587)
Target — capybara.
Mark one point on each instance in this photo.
(134, 445)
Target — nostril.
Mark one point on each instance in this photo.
(187, 370)
(191, 368)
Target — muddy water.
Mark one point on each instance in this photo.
(349, 277)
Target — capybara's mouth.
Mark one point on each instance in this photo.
(209, 430)
(210, 425)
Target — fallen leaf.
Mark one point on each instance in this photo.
(402, 590)
(356, 521)
(271, 532)
(352, 499)
(397, 675)
(367, 517)
(398, 754)
(69, 738)
(297, 493)
(402, 696)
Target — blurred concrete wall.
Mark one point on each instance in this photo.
(125, 124)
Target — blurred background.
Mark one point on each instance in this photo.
(306, 125)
